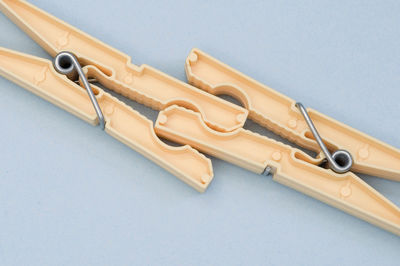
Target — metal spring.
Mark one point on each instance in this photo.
(340, 161)
(66, 63)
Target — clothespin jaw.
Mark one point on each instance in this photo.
(279, 113)
(289, 166)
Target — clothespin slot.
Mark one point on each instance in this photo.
(279, 114)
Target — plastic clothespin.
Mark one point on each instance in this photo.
(280, 114)
(114, 70)
(289, 166)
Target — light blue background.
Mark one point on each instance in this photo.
(72, 195)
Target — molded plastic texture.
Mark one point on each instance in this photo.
(291, 167)
(279, 114)
(114, 70)
(122, 122)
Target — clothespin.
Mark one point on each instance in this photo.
(285, 117)
(327, 177)
(113, 69)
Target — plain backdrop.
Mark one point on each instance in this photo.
(72, 195)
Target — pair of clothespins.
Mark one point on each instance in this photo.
(198, 118)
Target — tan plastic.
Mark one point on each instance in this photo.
(291, 167)
(114, 70)
(279, 114)
(122, 122)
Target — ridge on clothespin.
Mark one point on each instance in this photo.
(114, 70)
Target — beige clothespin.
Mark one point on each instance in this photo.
(348, 148)
(114, 70)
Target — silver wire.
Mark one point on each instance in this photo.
(66, 63)
(340, 161)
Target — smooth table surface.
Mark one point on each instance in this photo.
(72, 195)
